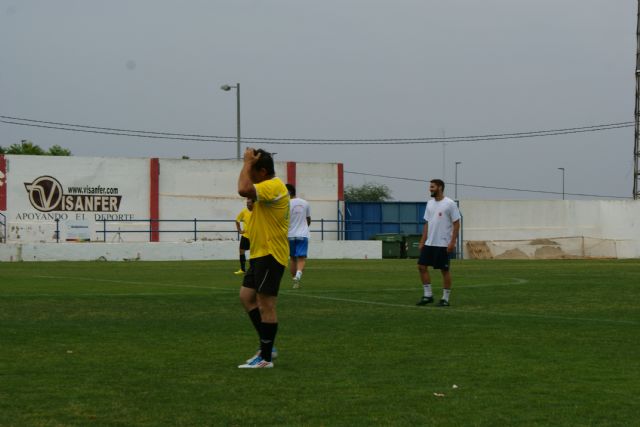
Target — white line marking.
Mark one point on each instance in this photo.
(357, 301)
(457, 310)
(516, 281)
(94, 295)
(127, 282)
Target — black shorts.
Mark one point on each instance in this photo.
(244, 243)
(434, 256)
(264, 275)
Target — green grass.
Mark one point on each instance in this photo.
(532, 343)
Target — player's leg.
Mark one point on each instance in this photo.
(243, 260)
(446, 288)
(249, 299)
(267, 275)
(267, 297)
(244, 247)
(425, 279)
(302, 260)
(302, 246)
(269, 327)
(443, 265)
(293, 266)
(250, 303)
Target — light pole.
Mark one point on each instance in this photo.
(444, 155)
(562, 169)
(227, 88)
(457, 163)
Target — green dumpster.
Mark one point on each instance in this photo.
(393, 245)
(413, 242)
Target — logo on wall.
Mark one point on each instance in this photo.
(46, 194)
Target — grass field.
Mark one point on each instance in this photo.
(533, 343)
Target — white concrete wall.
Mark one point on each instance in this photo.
(502, 220)
(25, 223)
(204, 189)
(317, 183)
(188, 189)
(161, 251)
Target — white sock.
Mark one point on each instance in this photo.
(298, 275)
(427, 290)
(445, 294)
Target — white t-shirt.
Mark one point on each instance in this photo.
(299, 210)
(440, 216)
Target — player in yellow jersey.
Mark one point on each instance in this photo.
(243, 217)
(268, 228)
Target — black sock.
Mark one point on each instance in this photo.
(267, 338)
(254, 315)
(243, 261)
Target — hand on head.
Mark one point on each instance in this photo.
(250, 156)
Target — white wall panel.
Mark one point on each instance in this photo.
(89, 189)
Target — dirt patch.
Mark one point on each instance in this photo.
(549, 252)
(478, 249)
(542, 242)
(512, 254)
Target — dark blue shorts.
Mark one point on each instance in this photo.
(298, 246)
(434, 256)
(245, 245)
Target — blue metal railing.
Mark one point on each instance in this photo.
(156, 226)
(339, 229)
(321, 226)
(152, 225)
(3, 223)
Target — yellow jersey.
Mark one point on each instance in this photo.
(269, 221)
(244, 216)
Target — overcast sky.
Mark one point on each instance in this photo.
(338, 69)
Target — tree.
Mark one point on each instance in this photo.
(57, 150)
(369, 192)
(25, 147)
(28, 147)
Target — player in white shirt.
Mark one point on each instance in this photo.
(299, 222)
(439, 236)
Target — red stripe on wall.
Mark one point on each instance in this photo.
(291, 173)
(340, 182)
(154, 199)
(3, 183)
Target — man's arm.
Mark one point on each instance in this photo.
(423, 239)
(238, 227)
(454, 236)
(245, 186)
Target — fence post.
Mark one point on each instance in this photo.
(461, 239)
(57, 230)
(195, 229)
(321, 228)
